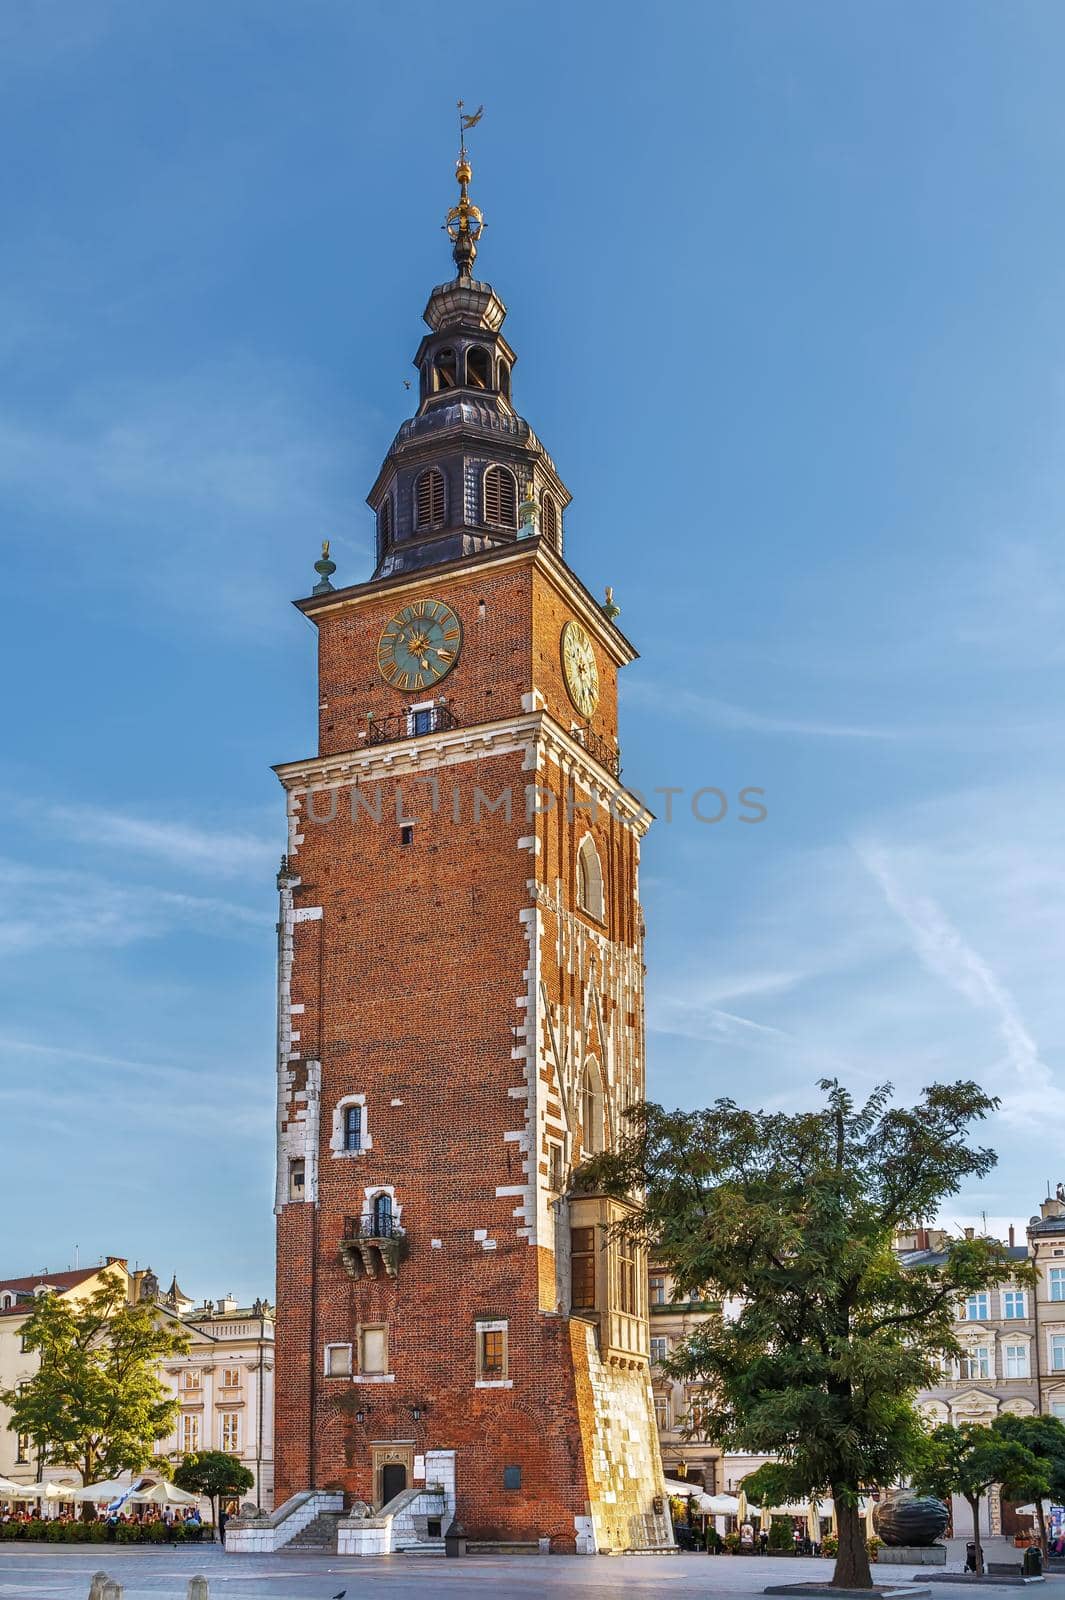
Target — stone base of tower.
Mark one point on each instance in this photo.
(622, 1463)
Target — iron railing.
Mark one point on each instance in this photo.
(372, 1227)
(605, 751)
(410, 724)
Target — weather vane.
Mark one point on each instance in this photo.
(464, 222)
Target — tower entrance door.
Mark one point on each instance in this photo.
(393, 1468)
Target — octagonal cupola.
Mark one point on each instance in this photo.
(466, 472)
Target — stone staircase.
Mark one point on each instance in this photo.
(321, 1534)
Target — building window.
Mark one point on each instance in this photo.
(976, 1308)
(504, 380)
(1014, 1305)
(659, 1349)
(231, 1378)
(591, 1109)
(1057, 1409)
(231, 1432)
(297, 1179)
(628, 1282)
(445, 370)
(500, 497)
(373, 1349)
(1016, 1361)
(554, 1166)
(384, 525)
(423, 720)
(1057, 1353)
(190, 1379)
(353, 1128)
(976, 1363)
(478, 368)
(190, 1433)
(22, 1452)
(338, 1361)
(512, 1477)
(381, 1215)
(590, 880)
(658, 1291)
(582, 1269)
(549, 518)
(1056, 1276)
(491, 1352)
(429, 499)
(663, 1415)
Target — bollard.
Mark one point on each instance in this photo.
(198, 1589)
(112, 1590)
(96, 1587)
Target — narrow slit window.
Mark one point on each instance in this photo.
(549, 518)
(353, 1128)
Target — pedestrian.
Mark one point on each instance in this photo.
(223, 1518)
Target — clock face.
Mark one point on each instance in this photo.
(579, 668)
(419, 646)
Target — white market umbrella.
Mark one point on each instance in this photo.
(101, 1493)
(48, 1491)
(741, 1505)
(164, 1493)
(765, 1519)
(9, 1488)
(813, 1522)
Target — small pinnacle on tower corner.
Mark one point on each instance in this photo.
(325, 569)
(609, 608)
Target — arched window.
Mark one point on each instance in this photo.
(500, 497)
(590, 880)
(6, 1302)
(591, 1109)
(429, 499)
(384, 525)
(549, 518)
(504, 380)
(478, 368)
(445, 370)
(381, 1212)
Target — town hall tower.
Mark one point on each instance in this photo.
(460, 989)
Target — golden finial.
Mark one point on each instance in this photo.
(609, 606)
(325, 567)
(464, 221)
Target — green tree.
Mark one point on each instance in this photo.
(213, 1473)
(969, 1459)
(1045, 1438)
(792, 1218)
(96, 1401)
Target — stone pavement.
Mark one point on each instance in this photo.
(50, 1572)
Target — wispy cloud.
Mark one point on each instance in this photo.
(185, 845)
(714, 713)
(944, 951)
(50, 907)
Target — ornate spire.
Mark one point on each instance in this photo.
(464, 222)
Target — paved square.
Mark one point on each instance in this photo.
(50, 1573)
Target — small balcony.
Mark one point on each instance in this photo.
(371, 1244)
(605, 751)
(410, 725)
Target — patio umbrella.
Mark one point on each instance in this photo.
(765, 1519)
(867, 1513)
(47, 1491)
(101, 1493)
(741, 1505)
(813, 1521)
(164, 1493)
(9, 1488)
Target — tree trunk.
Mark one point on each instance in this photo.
(852, 1561)
(974, 1507)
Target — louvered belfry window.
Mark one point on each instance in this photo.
(429, 499)
(500, 498)
(384, 521)
(549, 519)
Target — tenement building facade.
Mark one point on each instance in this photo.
(461, 995)
(1012, 1342)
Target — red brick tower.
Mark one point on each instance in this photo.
(461, 994)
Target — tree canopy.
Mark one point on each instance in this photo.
(824, 1337)
(96, 1400)
(214, 1473)
(969, 1459)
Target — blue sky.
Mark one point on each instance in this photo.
(786, 287)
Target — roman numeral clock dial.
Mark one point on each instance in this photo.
(579, 668)
(419, 645)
